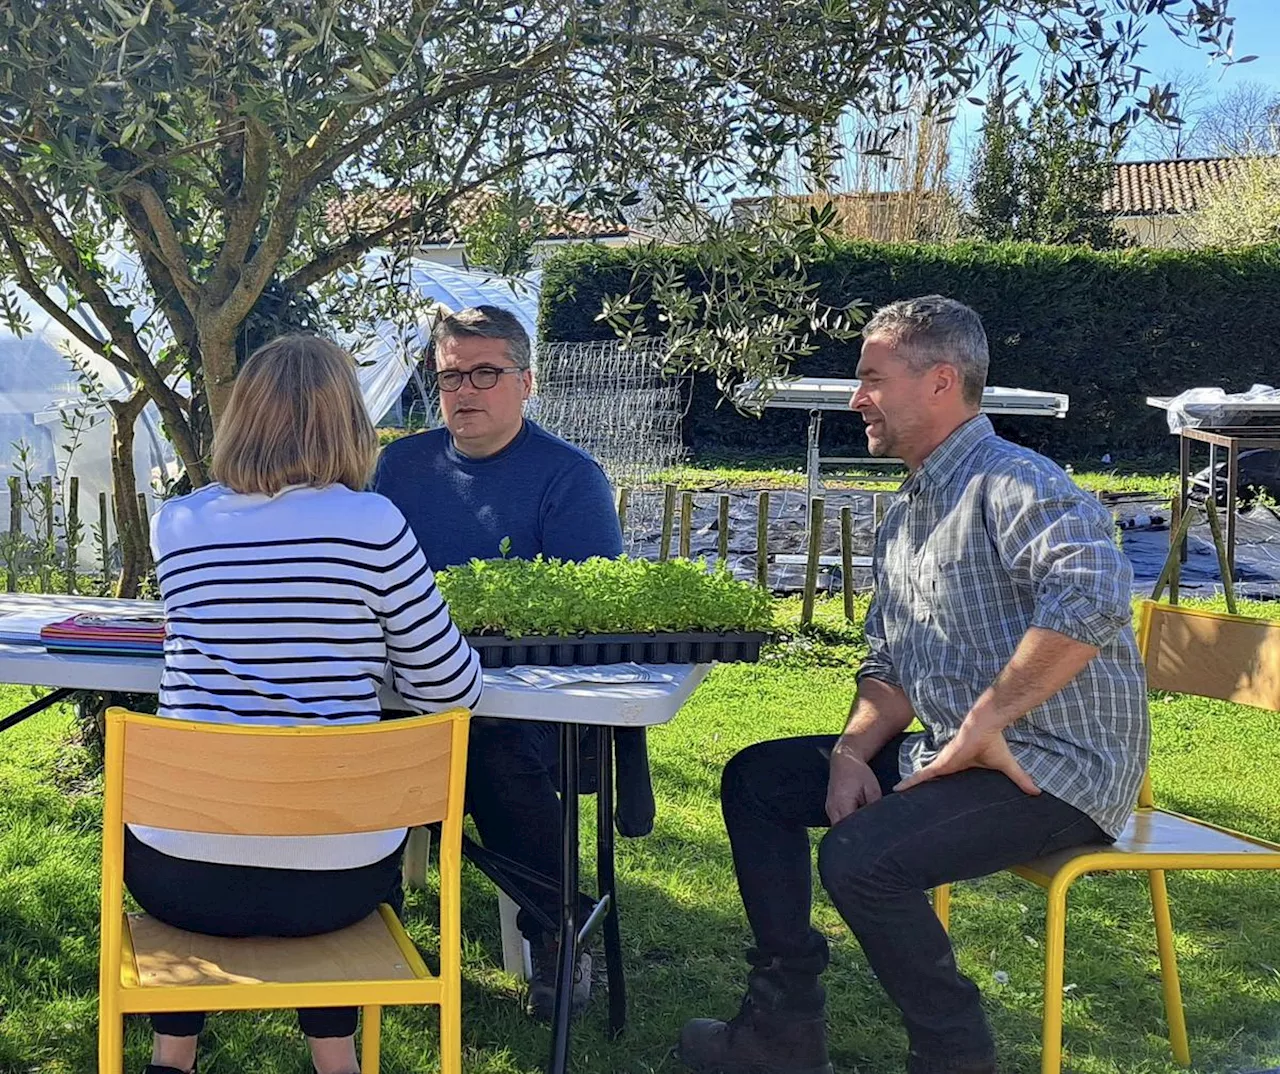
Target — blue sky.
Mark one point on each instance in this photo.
(1257, 32)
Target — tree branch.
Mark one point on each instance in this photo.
(178, 316)
(114, 319)
(170, 249)
(356, 245)
(336, 122)
(179, 151)
(343, 254)
(28, 282)
(477, 80)
(17, 205)
(258, 271)
(244, 214)
(728, 73)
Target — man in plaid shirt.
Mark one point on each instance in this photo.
(1001, 621)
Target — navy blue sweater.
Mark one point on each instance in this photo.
(543, 493)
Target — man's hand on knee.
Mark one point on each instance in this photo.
(850, 785)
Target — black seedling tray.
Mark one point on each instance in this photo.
(694, 647)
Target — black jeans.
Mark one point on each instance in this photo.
(512, 785)
(877, 865)
(245, 900)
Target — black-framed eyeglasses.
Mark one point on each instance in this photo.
(482, 377)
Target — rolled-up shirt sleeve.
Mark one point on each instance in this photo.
(1059, 541)
(877, 664)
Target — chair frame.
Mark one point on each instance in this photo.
(1058, 882)
(121, 991)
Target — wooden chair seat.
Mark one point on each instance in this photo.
(165, 957)
(1160, 839)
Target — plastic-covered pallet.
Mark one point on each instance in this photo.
(1213, 408)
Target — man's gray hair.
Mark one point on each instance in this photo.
(933, 330)
(485, 322)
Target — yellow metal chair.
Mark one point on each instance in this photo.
(237, 780)
(1187, 651)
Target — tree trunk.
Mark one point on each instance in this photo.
(218, 361)
(130, 531)
(183, 434)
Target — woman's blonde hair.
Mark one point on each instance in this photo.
(295, 417)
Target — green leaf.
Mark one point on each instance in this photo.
(357, 78)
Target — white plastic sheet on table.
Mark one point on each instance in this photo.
(1213, 408)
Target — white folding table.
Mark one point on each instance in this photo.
(818, 394)
(605, 707)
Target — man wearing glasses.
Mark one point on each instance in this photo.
(490, 476)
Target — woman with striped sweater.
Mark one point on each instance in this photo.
(288, 590)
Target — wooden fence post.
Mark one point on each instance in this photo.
(624, 501)
(73, 533)
(13, 556)
(106, 541)
(762, 540)
(668, 517)
(46, 557)
(145, 519)
(817, 511)
(846, 559)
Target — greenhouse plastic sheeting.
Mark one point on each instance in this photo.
(387, 360)
(42, 408)
(40, 386)
(1257, 557)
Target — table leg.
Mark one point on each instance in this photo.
(558, 1063)
(607, 887)
(27, 711)
(1233, 479)
(1184, 490)
(814, 466)
(417, 854)
(1213, 472)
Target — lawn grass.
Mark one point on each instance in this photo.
(1148, 477)
(683, 929)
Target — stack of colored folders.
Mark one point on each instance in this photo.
(106, 635)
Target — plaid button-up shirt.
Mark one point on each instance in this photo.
(985, 541)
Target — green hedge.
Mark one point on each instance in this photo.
(1108, 329)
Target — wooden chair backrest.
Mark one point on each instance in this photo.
(232, 779)
(1212, 654)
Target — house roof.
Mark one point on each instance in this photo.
(1160, 187)
(372, 209)
(753, 208)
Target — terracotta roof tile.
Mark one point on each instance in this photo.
(1158, 187)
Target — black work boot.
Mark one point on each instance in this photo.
(780, 1028)
(918, 1064)
(540, 1003)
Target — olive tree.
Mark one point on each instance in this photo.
(241, 150)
